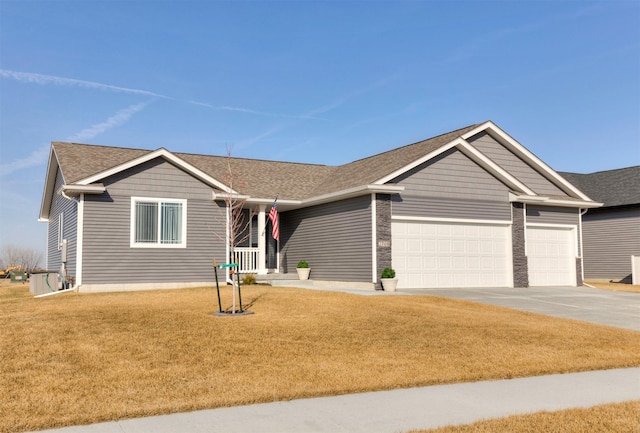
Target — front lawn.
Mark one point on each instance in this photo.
(609, 418)
(83, 358)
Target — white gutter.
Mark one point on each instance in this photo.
(353, 192)
(226, 196)
(548, 201)
(321, 199)
(571, 203)
(527, 198)
(76, 190)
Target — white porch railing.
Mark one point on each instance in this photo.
(247, 258)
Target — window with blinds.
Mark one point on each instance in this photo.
(158, 222)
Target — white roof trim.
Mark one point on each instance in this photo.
(486, 163)
(571, 203)
(74, 190)
(353, 192)
(548, 201)
(478, 129)
(529, 157)
(327, 198)
(163, 153)
(49, 184)
(416, 163)
(226, 196)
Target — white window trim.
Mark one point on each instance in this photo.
(132, 217)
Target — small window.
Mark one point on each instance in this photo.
(158, 223)
(60, 230)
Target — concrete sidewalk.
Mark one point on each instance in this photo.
(398, 410)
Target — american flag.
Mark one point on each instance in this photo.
(273, 216)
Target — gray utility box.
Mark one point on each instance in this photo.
(45, 282)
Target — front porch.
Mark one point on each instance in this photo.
(248, 260)
(257, 252)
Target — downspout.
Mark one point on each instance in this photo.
(374, 239)
(524, 222)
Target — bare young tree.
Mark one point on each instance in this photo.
(238, 220)
(27, 258)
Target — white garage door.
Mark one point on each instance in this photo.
(441, 255)
(551, 256)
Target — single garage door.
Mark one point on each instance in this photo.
(441, 255)
(551, 256)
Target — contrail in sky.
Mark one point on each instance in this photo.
(40, 155)
(116, 120)
(42, 79)
(29, 77)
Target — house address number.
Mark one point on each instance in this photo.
(384, 244)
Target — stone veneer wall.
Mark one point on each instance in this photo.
(579, 281)
(520, 264)
(383, 234)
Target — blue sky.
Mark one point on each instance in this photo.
(310, 81)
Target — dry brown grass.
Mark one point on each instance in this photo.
(83, 358)
(610, 285)
(609, 418)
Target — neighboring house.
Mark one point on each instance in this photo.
(611, 233)
(470, 208)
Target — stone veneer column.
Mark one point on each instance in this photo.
(383, 234)
(579, 281)
(520, 264)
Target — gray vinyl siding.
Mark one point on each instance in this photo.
(451, 186)
(335, 239)
(69, 210)
(610, 238)
(108, 256)
(552, 215)
(514, 165)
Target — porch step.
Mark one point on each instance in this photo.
(276, 276)
(292, 280)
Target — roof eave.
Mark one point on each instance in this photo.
(49, 185)
(76, 190)
(352, 192)
(285, 205)
(548, 201)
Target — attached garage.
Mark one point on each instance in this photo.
(428, 254)
(551, 255)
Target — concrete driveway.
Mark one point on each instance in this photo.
(620, 309)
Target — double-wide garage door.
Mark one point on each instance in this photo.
(441, 255)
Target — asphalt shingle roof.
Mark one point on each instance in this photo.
(258, 178)
(618, 187)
